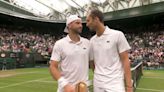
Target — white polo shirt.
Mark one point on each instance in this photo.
(105, 51)
(73, 58)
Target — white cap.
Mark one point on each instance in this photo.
(70, 19)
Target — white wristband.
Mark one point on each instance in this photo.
(62, 82)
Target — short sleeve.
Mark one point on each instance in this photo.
(122, 44)
(56, 53)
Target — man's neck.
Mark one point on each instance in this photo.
(74, 37)
(100, 30)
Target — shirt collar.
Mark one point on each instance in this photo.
(106, 30)
(70, 41)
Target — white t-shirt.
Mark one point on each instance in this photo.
(105, 51)
(73, 58)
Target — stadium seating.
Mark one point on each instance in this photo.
(146, 46)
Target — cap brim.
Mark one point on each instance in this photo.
(66, 30)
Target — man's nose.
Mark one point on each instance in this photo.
(87, 24)
(80, 25)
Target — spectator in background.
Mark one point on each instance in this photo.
(16, 41)
(148, 45)
(144, 45)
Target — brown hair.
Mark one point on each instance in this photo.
(97, 13)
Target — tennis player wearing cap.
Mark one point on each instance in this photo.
(109, 51)
(70, 57)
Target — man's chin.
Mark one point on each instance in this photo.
(79, 31)
(92, 30)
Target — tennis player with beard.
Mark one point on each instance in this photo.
(69, 62)
(109, 51)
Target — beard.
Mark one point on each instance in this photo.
(92, 29)
(78, 30)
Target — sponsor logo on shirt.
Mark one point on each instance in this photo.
(84, 48)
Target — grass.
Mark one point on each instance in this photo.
(27, 80)
(39, 80)
(151, 81)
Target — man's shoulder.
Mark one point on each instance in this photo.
(93, 37)
(60, 41)
(114, 31)
(84, 39)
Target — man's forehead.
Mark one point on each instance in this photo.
(76, 21)
(88, 17)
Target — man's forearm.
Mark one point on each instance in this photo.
(128, 78)
(92, 65)
(126, 65)
(54, 71)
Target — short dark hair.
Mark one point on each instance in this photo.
(97, 13)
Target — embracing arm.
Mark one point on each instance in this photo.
(92, 65)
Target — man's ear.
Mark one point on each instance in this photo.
(69, 25)
(96, 19)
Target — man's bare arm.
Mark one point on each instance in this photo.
(92, 65)
(57, 76)
(54, 70)
(127, 72)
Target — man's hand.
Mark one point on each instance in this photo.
(129, 89)
(81, 87)
(69, 88)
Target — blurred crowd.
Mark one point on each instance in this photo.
(145, 46)
(19, 41)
